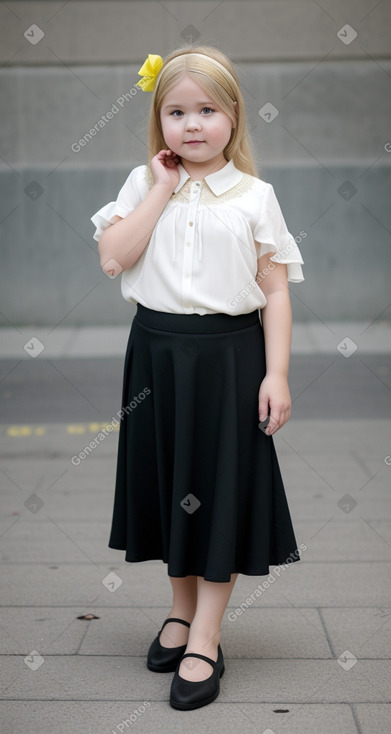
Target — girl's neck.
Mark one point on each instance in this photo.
(198, 173)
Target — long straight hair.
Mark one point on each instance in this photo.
(222, 86)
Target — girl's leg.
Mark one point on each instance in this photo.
(204, 633)
(183, 606)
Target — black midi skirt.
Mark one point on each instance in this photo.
(198, 484)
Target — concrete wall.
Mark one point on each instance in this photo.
(327, 152)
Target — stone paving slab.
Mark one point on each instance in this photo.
(264, 633)
(311, 505)
(71, 502)
(268, 632)
(318, 507)
(303, 448)
(47, 717)
(74, 677)
(260, 633)
(371, 715)
(47, 629)
(51, 538)
(365, 632)
(301, 584)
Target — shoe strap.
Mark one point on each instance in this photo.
(175, 619)
(199, 655)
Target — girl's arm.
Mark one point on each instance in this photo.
(126, 239)
(277, 327)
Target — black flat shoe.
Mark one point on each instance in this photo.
(188, 694)
(165, 659)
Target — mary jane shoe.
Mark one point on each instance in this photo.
(165, 659)
(187, 694)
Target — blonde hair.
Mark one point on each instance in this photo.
(221, 84)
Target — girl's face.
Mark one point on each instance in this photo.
(187, 114)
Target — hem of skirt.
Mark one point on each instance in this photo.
(243, 571)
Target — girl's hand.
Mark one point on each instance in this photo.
(274, 391)
(165, 169)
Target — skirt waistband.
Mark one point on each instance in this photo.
(194, 323)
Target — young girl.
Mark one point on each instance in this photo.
(202, 246)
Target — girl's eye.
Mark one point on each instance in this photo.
(204, 108)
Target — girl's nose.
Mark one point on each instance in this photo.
(193, 122)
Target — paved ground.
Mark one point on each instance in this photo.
(310, 653)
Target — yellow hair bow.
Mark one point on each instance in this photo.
(149, 71)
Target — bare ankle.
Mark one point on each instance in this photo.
(185, 613)
(204, 634)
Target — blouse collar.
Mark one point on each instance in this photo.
(220, 181)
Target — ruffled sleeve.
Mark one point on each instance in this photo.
(271, 235)
(129, 196)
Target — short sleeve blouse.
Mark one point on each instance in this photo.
(202, 254)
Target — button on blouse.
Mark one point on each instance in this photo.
(202, 254)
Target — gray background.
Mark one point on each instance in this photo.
(331, 136)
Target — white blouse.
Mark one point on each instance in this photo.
(202, 255)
